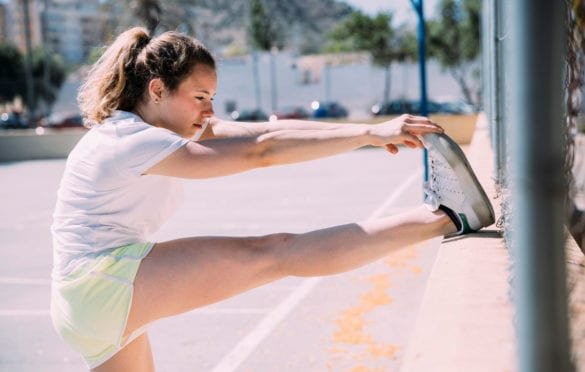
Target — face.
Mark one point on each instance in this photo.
(185, 109)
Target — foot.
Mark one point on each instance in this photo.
(453, 187)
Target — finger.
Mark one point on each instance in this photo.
(412, 145)
(412, 141)
(416, 119)
(393, 149)
(420, 128)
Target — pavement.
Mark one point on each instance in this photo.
(357, 321)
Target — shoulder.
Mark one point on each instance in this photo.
(139, 144)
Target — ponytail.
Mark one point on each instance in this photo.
(118, 80)
(108, 79)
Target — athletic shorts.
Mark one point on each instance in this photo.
(90, 307)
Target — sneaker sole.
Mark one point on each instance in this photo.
(453, 154)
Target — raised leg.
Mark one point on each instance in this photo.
(184, 274)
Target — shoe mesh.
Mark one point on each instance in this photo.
(443, 185)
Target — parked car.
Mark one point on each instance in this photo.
(457, 107)
(12, 120)
(321, 110)
(249, 115)
(60, 120)
(291, 112)
(403, 106)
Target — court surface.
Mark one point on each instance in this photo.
(357, 321)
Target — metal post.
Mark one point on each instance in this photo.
(273, 88)
(256, 80)
(327, 80)
(535, 62)
(418, 6)
(30, 94)
(500, 25)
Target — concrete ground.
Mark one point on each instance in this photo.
(357, 321)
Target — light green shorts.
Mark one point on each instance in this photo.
(90, 307)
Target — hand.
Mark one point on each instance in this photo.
(403, 130)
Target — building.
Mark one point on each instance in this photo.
(73, 28)
(3, 23)
(70, 28)
(16, 24)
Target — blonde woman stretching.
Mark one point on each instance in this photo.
(150, 102)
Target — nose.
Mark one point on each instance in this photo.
(209, 111)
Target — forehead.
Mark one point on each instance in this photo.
(202, 77)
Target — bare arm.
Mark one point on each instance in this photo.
(218, 128)
(222, 156)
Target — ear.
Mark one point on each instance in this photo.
(156, 89)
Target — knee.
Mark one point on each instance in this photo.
(269, 250)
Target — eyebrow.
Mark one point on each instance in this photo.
(204, 91)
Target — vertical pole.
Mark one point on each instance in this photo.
(256, 80)
(327, 80)
(273, 88)
(28, 61)
(418, 6)
(535, 61)
(500, 26)
(47, 53)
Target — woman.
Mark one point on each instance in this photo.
(150, 103)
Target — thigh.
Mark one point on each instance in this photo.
(136, 356)
(184, 274)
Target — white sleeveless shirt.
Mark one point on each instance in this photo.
(105, 200)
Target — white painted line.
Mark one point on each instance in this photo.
(25, 281)
(219, 311)
(398, 194)
(229, 311)
(245, 347)
(24, 312)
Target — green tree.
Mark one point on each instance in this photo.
(375, 35)
(11, 73)
(454, 40)
(47, 79)
(154, 15)
(264, 36)
(49, 73)
(147, 11)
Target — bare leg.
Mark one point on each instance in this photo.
(136, 356)
(181, 275)
(342, 248)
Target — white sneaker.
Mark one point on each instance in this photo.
(453, 187)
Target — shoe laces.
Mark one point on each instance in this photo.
(442, 183)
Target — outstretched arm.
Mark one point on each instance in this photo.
(218, 128)
(222, 156)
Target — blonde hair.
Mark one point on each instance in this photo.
(118, 80)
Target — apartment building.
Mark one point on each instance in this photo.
(70, 28)
(73, 28)
(3, 23)
(16, 23)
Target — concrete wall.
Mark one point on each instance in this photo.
(17, 145)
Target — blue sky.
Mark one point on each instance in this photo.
(402, 9)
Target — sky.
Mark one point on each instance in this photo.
(402, 9)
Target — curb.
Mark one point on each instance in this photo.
(465, 321)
